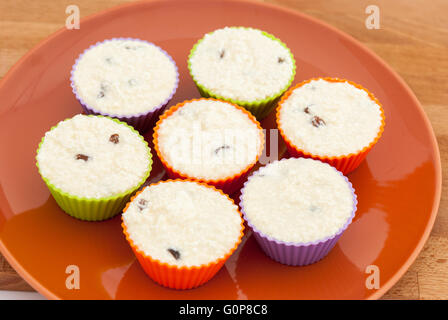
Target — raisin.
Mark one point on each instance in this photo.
(142, 204)
(81, 156)
(103, 89)
(280, 60)
(174, 253)
(316, 121)
(115, 138)
(223, 147)
(222, 53)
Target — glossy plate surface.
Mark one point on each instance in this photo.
(398, 185)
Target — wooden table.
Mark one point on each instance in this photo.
(413, 39)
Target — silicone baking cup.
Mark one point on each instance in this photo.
(93, 209)
(297, 253)
(259, 108)
(179, 277)
(344, 163)
(228, 184)
(142, 121)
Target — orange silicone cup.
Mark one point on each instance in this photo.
(345, 163)
(176, 277)
(227, 184)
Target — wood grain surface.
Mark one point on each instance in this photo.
(412, 39)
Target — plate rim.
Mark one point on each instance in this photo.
(35, 284)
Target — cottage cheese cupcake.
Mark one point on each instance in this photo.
(298, 209)
(245, 66)
(128, 79)
(210, 141)
(92, 165)
(182, 232)
(330, 119)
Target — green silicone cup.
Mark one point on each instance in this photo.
(259, 108)
(94, 209)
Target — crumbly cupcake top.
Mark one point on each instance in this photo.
(330, 118)
(183, 223)
(124, 76)
(241, 64)
(209, 139)
(93, 157)
(297, 200)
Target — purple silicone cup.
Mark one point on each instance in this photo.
(297, 253)
(143, 121)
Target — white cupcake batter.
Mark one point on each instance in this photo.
(330, 118)
(297, 200)
(241, 64)
(183, 223)
(209, 139)
(93, 157)
(124, 77)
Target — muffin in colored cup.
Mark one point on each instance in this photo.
(129, 79)
(92, 165)
(297, 209)
(245, 66)
(182, 232)
(210, 141)
(332, 120)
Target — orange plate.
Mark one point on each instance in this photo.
(398, 185)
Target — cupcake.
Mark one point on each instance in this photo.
(332, 120)
(245, 66)
(297, 209)
(182, 232)
(92, 165)
(128, 79)
(209, 141)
